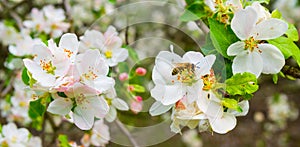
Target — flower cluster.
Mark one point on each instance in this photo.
(186, 84)
(49, 20)
(12, 136)
(81, 77)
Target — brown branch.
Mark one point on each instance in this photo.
(291, 71)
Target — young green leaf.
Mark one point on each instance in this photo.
(25, 77)
(133, 54)
(138, 88)
(292, 33)
(63, 141)
(241, 84)
(36, 112)
(222, 37)
(231, 104)
(123, 67)
(287, 47)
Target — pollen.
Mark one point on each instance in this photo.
(69, 53)
(251, 44)
(47, 66)
(108, 54)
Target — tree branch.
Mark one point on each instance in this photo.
(126, 132)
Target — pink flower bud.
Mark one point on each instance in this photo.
(136, 106)
(130, 88)
(139, 98)
(123, 76)
(140, 71)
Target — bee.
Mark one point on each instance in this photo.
(180, 67)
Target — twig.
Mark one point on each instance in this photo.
(126, 132)
(7, 88)
(203, 26)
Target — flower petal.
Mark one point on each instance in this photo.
(224, 124)
(98, 106)
(167, 94)
(243, 22)
(204, 66)
(269, 29)
(120, 104)
(273, 59)
(158, 108)
(248, 62)
(83, 119)
(69, 42)
(236, 48)
(111, 115)
(61, 106)
(192, 57)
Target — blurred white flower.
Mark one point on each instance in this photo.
(8, 34)
(24, 45)
(191, 138)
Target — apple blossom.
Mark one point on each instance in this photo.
(93, 71)
(252, 55)
(87, 105)
(109, 44)
(8, 34)
(50, 63)
(175, 77)
(24, 46)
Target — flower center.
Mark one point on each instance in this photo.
(47, 66)
(90, 75)
(108, 54)
(80, 99)
(251, 44)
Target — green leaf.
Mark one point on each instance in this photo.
(138, 88)
(231, 104)
(292, 33)
(188, 16)
(133, 54)
(241, 84)
(123, 67)
(0, 128)
(63, 141)
(222, 37)
(276, 14)
(249, 2)
(62, 94)
(36, 112)
(287, 47)
(112, 1)
(208, 47)
(25, 77)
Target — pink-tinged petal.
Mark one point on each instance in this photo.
(79, 89)
(98, 106)
(243, 22)
(46, 80)
(269, 29)
(236, 48)
(192, 57)
(60, 106)
(83, 118)
(158, 108)
(249, 62)
(111, 115)
(204, 66)
(273, 59)
(69, 44)
(224, 124)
